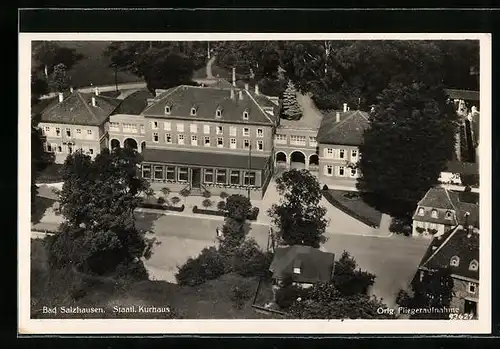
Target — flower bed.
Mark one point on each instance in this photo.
(254, 212)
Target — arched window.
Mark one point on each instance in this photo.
(218, 113)
(167, 109)
(420, 211)
(474, 265)
(448, 215)
(434, 214)
(454, 261)
(245, 115)
(193, 111)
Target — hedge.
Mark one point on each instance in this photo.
(161, 207)
(254, 212)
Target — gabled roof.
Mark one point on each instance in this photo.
(348, 131)
(77, 109)
(444, 199)
(182, 98)
(134, 103)
(458, 242)
(315, 265)
(466, 95)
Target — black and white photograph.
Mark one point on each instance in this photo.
(333, 180)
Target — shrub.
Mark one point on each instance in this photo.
(253, 214)
(240, 293)
(287, 295)
(432, 231)
(175, 200)
(209, 265)
(221, 205)
(250, 260)
(325, 187)
(223, 195)
(420, 230)
(207, 194)
(207, 203)
(212, 212)
(161, 200)
(238, 207)
(400, 226)
(165, 191)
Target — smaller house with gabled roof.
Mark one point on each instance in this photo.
(304, 265)
(441, 210)
(339, 138)
(458, 251)
(76, 121)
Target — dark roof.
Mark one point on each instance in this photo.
(348, 131)
(77, 109)
(466, 95)
(464, 168)
(134, 103)
(184, 157)
(207, 100)
(442, 198)
(457, 242)
(315, 265)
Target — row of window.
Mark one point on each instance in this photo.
(58, 148)
(435, 214)
(194, 111)
(47, 130)
(340, 154)
(455, 262)
(217, 176)
(193, 128)
(340, 171)
(295, 140)
(219, 142)
(423, 224)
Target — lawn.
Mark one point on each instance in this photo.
(94, 67)
(50, 174)
(211, 300)
(352, 204)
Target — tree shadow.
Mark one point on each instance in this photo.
(146, 220)
(41, 205)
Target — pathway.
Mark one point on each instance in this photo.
(209, 67)
(105, 88)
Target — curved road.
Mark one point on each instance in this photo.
(105, 88)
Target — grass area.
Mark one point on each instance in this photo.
(49, 174)
(94, 67)
(41, 205)
(352, 204)
(211, 300)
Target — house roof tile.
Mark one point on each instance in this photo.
(207, 99)
(457, 242)
(77, 109)
(347, 131)
(315, 265)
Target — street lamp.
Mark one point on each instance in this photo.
(249, 169)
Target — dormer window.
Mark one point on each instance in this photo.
(245, 115)
(454, 261)
(434, 214)
(421, 211)
(194, 109)
(474, 265)
(448, 215)
(168, 109)
(218, 112)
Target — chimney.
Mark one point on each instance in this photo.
(345, 107)
(232, 93)
(61, 97)
(257, 89)
(97, 91)
(240, 93)
(93, 101)
(246, 87)
(337, 117)
(466, 222)
(71, 89)
(234, 77)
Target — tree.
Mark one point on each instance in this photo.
(207, 203)
(48, 54)
(161, 64)
(175, 200)
(150, 193)
(350, 280)
(185, 193)
(60, 79)
(299, 217)
(291, 108)
(165, 191)
(324, 301)
(233, 235)
(221, 205)
(97, 200)
(420, 123)
(434, 290)
(209, 265)
(249, 260)
(238, 207)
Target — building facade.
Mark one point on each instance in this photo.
(216, 139)
(339, 138)
(441, 210)
(76, 121)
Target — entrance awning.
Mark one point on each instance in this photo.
(206, 159)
